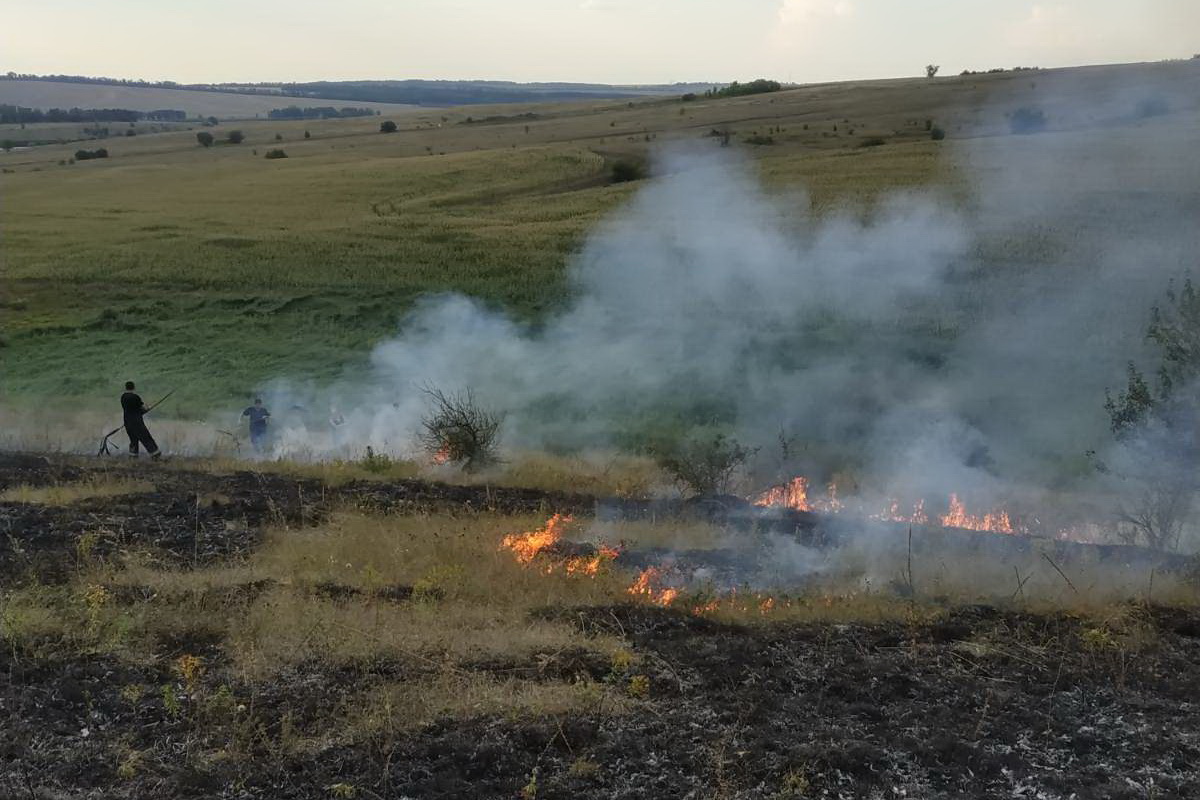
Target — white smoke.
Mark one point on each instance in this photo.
(929, 339)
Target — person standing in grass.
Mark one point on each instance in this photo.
(258, 415)
(134, 410)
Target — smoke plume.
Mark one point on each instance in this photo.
(954, 336)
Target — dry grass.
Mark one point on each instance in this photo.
(432, 596)
(62, 494)
(469, 601)
(594, 473)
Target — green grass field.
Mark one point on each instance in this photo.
(215, 269)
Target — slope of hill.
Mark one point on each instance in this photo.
(182, 247)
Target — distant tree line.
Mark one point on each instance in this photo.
(735, 89)
(10, 114)
(997, 70)
(412, 92)
(141, 84)
(319, 112)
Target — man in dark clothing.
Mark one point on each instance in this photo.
(134, 409)
(258, 415)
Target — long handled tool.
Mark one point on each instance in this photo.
(104, 442)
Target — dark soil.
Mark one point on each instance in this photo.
(981, 702)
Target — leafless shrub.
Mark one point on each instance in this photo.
(457, 430)
(1157, 516)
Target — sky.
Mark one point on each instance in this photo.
(601, 41)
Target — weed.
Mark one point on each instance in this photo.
(794, 784)
(130, 765)
(584, 769)
(170, 700)
(190, 669)
(530, 790)
(133, 693)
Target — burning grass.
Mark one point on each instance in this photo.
(370, 588)
(532, 642)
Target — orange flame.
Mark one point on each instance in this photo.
(646, 586)
(526, 546)
(794, 495)
(957, 517)
(442, 456)
(591, 565)
(706, 608)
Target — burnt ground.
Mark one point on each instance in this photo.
(978, 702)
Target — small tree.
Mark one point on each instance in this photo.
(937, 134)
(1157, 429)
(272, 154)
(458, 430)
(387, 126)
(627, 170)
(307, 135)
(235, 137)
(705, 466)
(931, 70)
(204, 138)
(8, 144)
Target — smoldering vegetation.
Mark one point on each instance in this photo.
(955, 338)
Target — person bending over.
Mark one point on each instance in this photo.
(134, 410)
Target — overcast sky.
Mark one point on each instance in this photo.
(608, 41)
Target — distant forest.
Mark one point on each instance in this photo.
(10, 115)
(408, 92)
(319, 112)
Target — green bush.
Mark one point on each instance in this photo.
(235, 137)
(937, 134)
(387, 126)
(735, 89)
(204, 138)
(627, 170)
(705, 466)
(275, 154)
